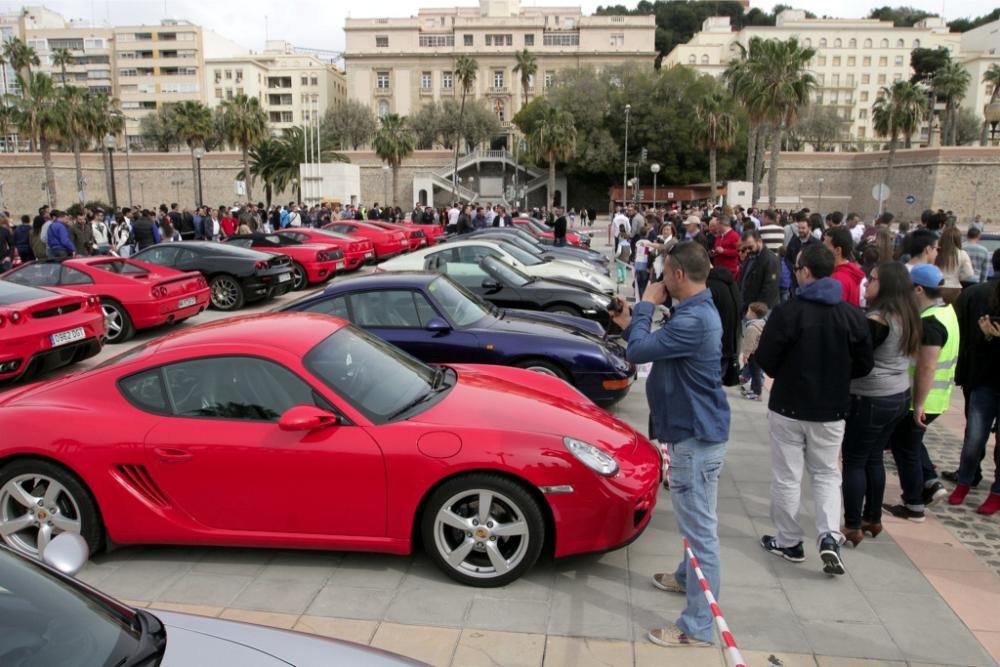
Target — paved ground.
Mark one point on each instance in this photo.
(919, 599)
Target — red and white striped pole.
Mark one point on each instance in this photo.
(733, 656)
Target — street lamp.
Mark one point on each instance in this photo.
(820, 206)
(109, 143)
(628, 108)
(199, 153)
(655, 168)
(992, 114)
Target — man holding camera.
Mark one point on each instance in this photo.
(686, 354)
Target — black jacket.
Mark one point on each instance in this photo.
(813, 346)
(760, 282)
(792, 252)
(142, 232)
(464, 224)
(978, 359)
(559, 227)
(727, 301)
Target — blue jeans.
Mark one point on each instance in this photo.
(641, 279)
(756, 375)
(981, 412)
(870, 423)
(695, 467)
(913, 463)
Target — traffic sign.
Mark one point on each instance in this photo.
(910, 199)
(880, 192)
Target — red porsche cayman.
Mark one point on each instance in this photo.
(215, 436)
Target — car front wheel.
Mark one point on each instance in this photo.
(483, 530)
(227, 293)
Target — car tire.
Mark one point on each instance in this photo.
(73, 503)
(565, 309)
(544, 367)
(119, 324)
(226, 293)
(300, 279)
(511, 508)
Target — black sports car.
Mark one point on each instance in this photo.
(503, 285)
(236, 275)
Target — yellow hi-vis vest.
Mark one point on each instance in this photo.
(939, 397)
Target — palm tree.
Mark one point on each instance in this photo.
(107, 119)
(527, 66)
(277, 161)
(193, 122)
(992, 77)
(783, 85)
(265, 158)
(897, 112)
(63, 57)
(20, 56)
(465, 76)
(76, 115)
(716, 129)
(739, 79)
(950, 83)
(554, 138)
(394, 141)
(244, 123)
(37, 114)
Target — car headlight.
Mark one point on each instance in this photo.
(597, 460)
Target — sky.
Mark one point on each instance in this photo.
(318, 24)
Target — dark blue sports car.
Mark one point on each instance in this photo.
(438, 321)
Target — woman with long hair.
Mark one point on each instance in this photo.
(880, 399)
(955, 264)
(885, 242)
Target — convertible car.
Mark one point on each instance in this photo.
(438, 321)
(214, 435)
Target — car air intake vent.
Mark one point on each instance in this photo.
(55, 312)
(279, 261)
(137, 477)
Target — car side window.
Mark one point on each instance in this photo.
(242, 243)
(389, 308)
(162, 256)
(472, 254)
(336, 307)
(185, 257)
(42, 274)
(242, 388)
(145, 391)
(425, 311)
(71, 276)
(465, 274)
(436, 260)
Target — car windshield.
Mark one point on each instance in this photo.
(505, 272)
(47, 621)
(356, 365)
(460, 305)
(120, 266)
(524, 257)
(281, 240)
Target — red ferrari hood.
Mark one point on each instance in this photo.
(499, 397)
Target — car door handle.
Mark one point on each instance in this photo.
(170, 455)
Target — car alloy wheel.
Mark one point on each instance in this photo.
(484, 534)
(34, 508)
(226, 293)
(119, 325)
(299, 278)
(543, 367)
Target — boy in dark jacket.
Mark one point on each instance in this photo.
(812, 346)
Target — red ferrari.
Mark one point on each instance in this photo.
(134, 295)
(415, 235)
(545, 234)
(312, 262)
(387, 243)
(357, 251)
(214, 435)
(41, 330)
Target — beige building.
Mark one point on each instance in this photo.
(980, 50)
(46, 31)
(397, 64)
(292, 87)
(854, 58)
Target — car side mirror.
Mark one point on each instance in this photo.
(306, 418)
(438, 326)
(67, 552)
(491, 285)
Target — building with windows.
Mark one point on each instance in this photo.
(980, 50)
(293, 88)
(397, 64)
(854, 59)
(46, 32)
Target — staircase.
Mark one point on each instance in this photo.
(476, 156)
(445, 184)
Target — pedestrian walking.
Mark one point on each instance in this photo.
(813, 346)
(686, 355)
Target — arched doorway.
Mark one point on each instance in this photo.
(422, 197)
(557, 198)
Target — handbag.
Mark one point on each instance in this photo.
(731, 372)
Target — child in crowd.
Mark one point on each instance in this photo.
(756, 318)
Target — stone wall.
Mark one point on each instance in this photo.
(964, 179)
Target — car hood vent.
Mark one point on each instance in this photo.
(137, 478)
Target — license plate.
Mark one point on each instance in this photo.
(339, 266)
(369, 255)
(284, 277)
(64, 337)
(184, 303)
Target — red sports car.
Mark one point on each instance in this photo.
(42, 330)
(312, 262)
(357, 251)
(134, 295)
(415, 235)
(545, 234)
(214, 435)
(387, 243)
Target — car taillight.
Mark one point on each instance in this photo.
(158, 291)
(94, 302)
(202, 282)
(16, 318)
(262, 264)
(322, 257)
(355, 247)
(3, 319)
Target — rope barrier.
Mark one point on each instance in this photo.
(733, 656)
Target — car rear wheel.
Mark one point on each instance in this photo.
(483, 530)
(543, 367)
(39, 500)
(227, 294)
(300, 279)
(119, 324)
(565, 309)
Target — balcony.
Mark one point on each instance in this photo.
(426, 92)
(383, 92)
(447, 92)
(498, 90)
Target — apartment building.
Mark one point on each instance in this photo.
(398, 64)
(46, 32)
(854, 58)
(980, 50)
(292, 88)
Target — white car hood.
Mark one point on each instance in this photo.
(560, 269)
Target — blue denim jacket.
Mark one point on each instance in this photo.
(684, 389)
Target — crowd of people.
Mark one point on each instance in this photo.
(863, 328)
